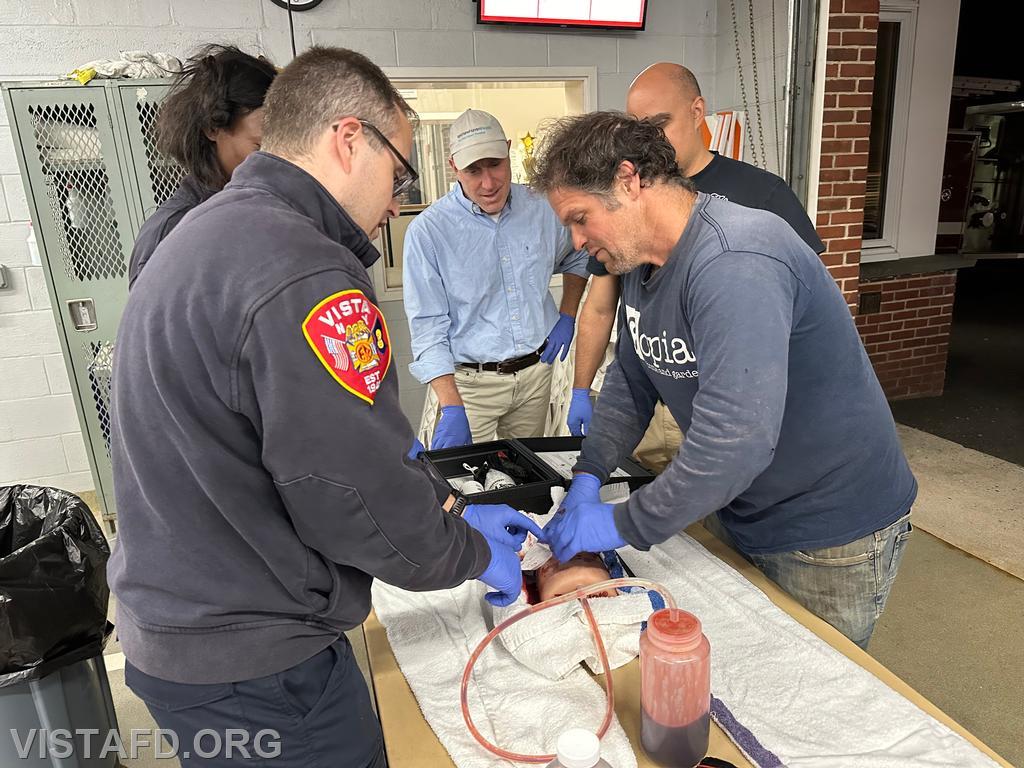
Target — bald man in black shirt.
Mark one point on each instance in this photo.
(670, 94)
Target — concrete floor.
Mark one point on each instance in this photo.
(969, 499)
(953, 630)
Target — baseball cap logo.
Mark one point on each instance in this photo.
(472, 132)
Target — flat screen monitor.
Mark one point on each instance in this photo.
(592, 14)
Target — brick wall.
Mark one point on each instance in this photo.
(846, 125)
(908, 338)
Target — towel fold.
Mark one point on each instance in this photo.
(554, 641)
(433, 634)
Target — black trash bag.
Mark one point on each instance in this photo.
(53, 583)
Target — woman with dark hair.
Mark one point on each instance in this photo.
(211, 121)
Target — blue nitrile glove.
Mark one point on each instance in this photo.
(559, 339)
(580, 412)
(585, 487)
(587, 527)
(504, 574)
(501, 523)
(416, 450)
(452, 428)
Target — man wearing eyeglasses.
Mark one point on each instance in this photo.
(477, 265)
(259, 448)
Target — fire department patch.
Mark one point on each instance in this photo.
(348, 335)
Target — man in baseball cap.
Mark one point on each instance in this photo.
(477, 264)
(476, 135)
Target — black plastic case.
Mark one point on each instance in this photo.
(636, 475)
(534, 495)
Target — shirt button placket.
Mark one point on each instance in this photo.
(512, 291)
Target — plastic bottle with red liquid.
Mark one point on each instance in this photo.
(675, 689)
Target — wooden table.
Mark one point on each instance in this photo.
(411, 742)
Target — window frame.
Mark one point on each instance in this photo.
(887, 246)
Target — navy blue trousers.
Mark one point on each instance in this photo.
(314, 715)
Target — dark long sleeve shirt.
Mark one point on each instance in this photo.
(745, 337)
(259, 449)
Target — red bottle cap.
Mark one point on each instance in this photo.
(675, 634)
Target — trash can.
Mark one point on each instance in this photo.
(55, 702)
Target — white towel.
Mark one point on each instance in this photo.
(134, 64)
(433, 634)
(554, 641)
(804, 704)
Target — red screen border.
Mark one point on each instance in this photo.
(563, 23)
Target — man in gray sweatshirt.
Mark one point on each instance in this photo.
(732, 321)
(259, 450)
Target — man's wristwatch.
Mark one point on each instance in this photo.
(460, 503)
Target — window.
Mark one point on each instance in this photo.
(881, 128)
(890, 116)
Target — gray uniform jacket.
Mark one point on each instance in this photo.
(258, 447)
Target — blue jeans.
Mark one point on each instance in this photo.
(315, 715)
(846, 585)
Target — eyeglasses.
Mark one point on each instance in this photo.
(408, 177)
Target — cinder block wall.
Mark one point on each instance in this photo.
(763, 94)
(40, 439)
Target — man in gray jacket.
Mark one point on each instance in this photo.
(259, 450)
(731, 320)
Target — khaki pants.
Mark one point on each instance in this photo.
(661, 442)
(498, 405)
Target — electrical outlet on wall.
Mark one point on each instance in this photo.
(3, 277)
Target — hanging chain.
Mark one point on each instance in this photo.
(775, 98)
(743, 86)
(757, 90)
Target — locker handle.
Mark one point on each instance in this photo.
(83, 314)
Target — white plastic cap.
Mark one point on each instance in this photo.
(578, 748)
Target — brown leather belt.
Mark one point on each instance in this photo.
(514, 365)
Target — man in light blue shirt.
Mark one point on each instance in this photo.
(477, 264)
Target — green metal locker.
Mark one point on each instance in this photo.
(92, 175)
